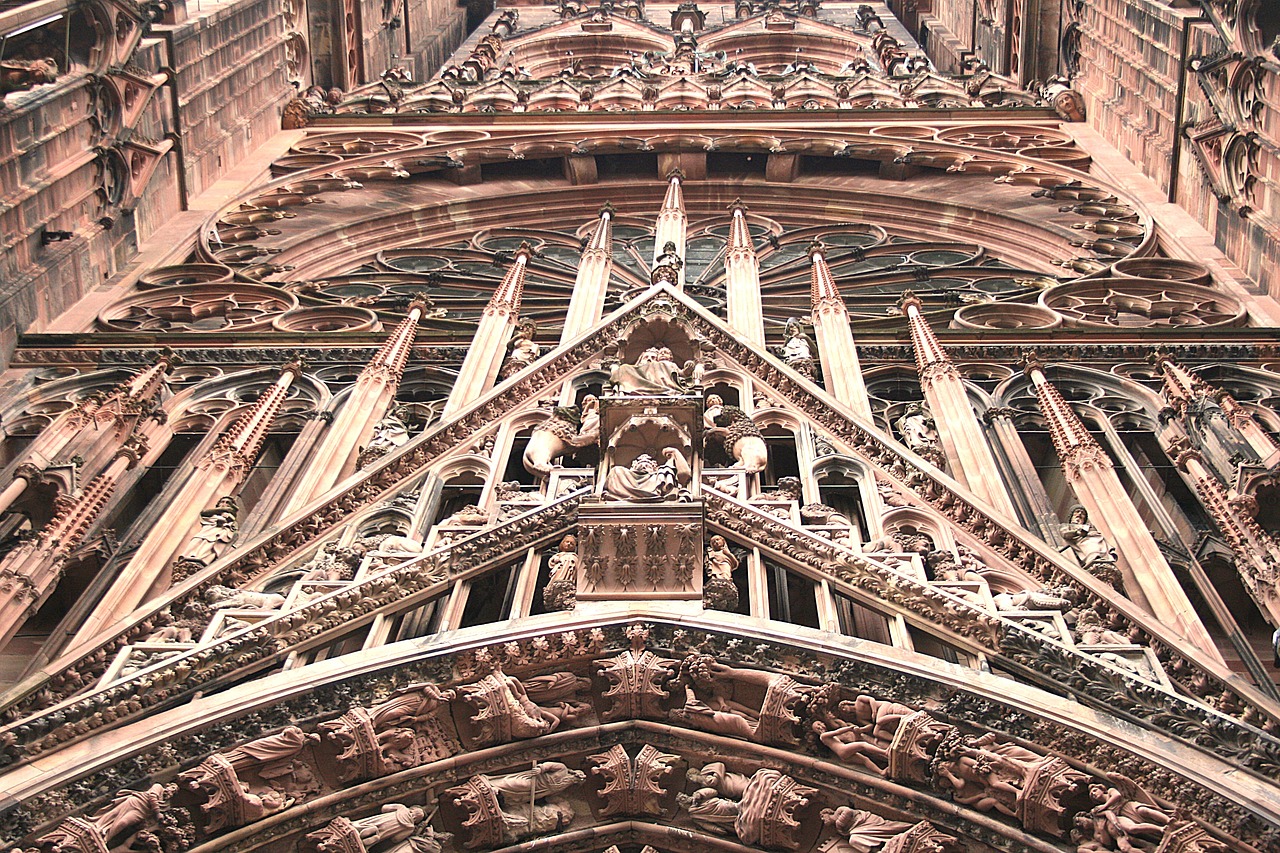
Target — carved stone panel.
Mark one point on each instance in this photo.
(640, 552)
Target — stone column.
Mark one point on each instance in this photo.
(216, 476)
(373, 393)
(489, 346)
(969, 458)
(1023, 474)
(94, 429)
(672, 225)
(841, 372)
(586, 305)
(30, 572)
(742, 280)
(1148, 579)
(1257, 553)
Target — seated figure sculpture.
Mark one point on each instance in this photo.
(645, 480)
(654, 373)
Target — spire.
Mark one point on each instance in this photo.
(674, 200)
(742, 278)
(506, 299)
(822, 287)
(586, 304)
(1070, 437)
(238, 447)
(928, 351)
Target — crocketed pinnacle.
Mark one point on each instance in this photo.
(674, 200)
(245, 437)
(507, 296)
(394, 352)
(822, 287)
(1067, 430)
(739, 233)
(602, 238)
(927, 348)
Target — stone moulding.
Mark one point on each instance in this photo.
(1092, 743)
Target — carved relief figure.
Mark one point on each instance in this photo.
(719, 592)
(646, 480)
(506, 809)
(389, 433)
(798, 351)
(861, 731)
(862, 831)
(524, 349)
(1124, 818)
(744, 703)
(18, 75)
(505, 712)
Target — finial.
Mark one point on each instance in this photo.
(675, 173)
(1029, 361)
(608, 208)
(817, 247)
(738, 205)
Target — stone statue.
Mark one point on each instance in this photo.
(131, 811)
(746, 703)
(798, 350)
(1092, 631)
(217, 531)
(861, 731)
(741, 437)
(1046, 598)
(524, 350)
(505, 809)
(1091, 550)
(226, 598)
(667, 266)
(505, 712)
(719, 592)
(561, 590)
(563, 430)
(394, 823)
(410, 705)
(654, 373)
(389, 433)
(918, 432)
(763, 810)
(19, 75)
(646, 480)
(393, 550)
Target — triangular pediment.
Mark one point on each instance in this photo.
(44, 703)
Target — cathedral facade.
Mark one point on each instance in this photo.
(811, 427)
